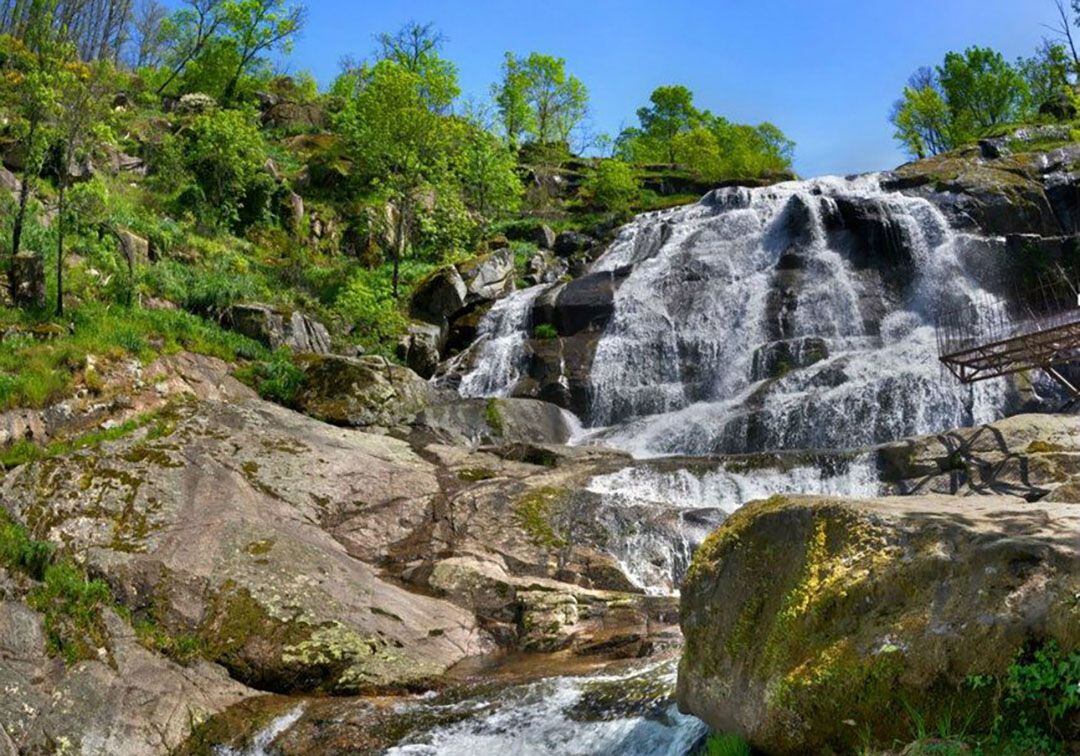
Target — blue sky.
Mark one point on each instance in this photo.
(825, 71)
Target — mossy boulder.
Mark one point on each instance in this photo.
(361, 391)
(824, 625)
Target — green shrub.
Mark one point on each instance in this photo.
(276, 379)
(612, 186)
(20, 552)
(1036, 702)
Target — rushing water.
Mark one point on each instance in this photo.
(501, 340)
(627, 713)
(656, 563)
(753, 321)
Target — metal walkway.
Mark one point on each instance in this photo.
(989, 338)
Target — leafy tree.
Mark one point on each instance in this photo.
(486, 171)
(189, 32)
(923, 121)
(611, 185)
(512, 99)
(672, 113)
(981, 88)
(82, 90)
(256, 27)
(1047, 73)
(539, 99)
(391, 131)
(417, 47)
(35, 96)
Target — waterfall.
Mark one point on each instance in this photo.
(501, 339)
(758, 319)
(628, 713)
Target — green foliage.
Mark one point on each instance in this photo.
(1036, 702)
(725, 745)
(36, 372)
(486, 172)
(539, 100)
(546, 331)
(20, 552)
(612, 185)
(368, 302)
(970, 94)
(276, 379)
(415, 47)
(72, 606)
(225, 153)
(982, 89)
(673, 130)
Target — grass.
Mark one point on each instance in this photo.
(22, 452)
(41, 360)
(725, 745)
(70, 601)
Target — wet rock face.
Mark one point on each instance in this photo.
(497, 421)
(876, 602)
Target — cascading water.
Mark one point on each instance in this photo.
(752, 324)
(501, 340)
(628, 714)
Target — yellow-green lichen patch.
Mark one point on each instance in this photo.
(355, 662)
(535, 513)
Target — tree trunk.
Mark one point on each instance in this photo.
(399, 247)
(60, 250)
(24, 197)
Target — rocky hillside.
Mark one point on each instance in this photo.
(209, 562)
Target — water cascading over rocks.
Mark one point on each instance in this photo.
(795, 316)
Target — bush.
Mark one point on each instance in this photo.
(612, 186)
(226, 155)
(277, 379)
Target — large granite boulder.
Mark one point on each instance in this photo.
(439, 296)
(275, 328)
(361, 391)
(219, 527)
(488, 277)
(819, 625)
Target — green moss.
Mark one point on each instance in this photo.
(1043, 447)
(475, 474)
(494, 417)
(535, 512)
(258, 548)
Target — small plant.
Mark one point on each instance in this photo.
(277, 379)
(72, 606)
(545, 331)
(725, 745)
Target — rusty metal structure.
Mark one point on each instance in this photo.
(1037, 329)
